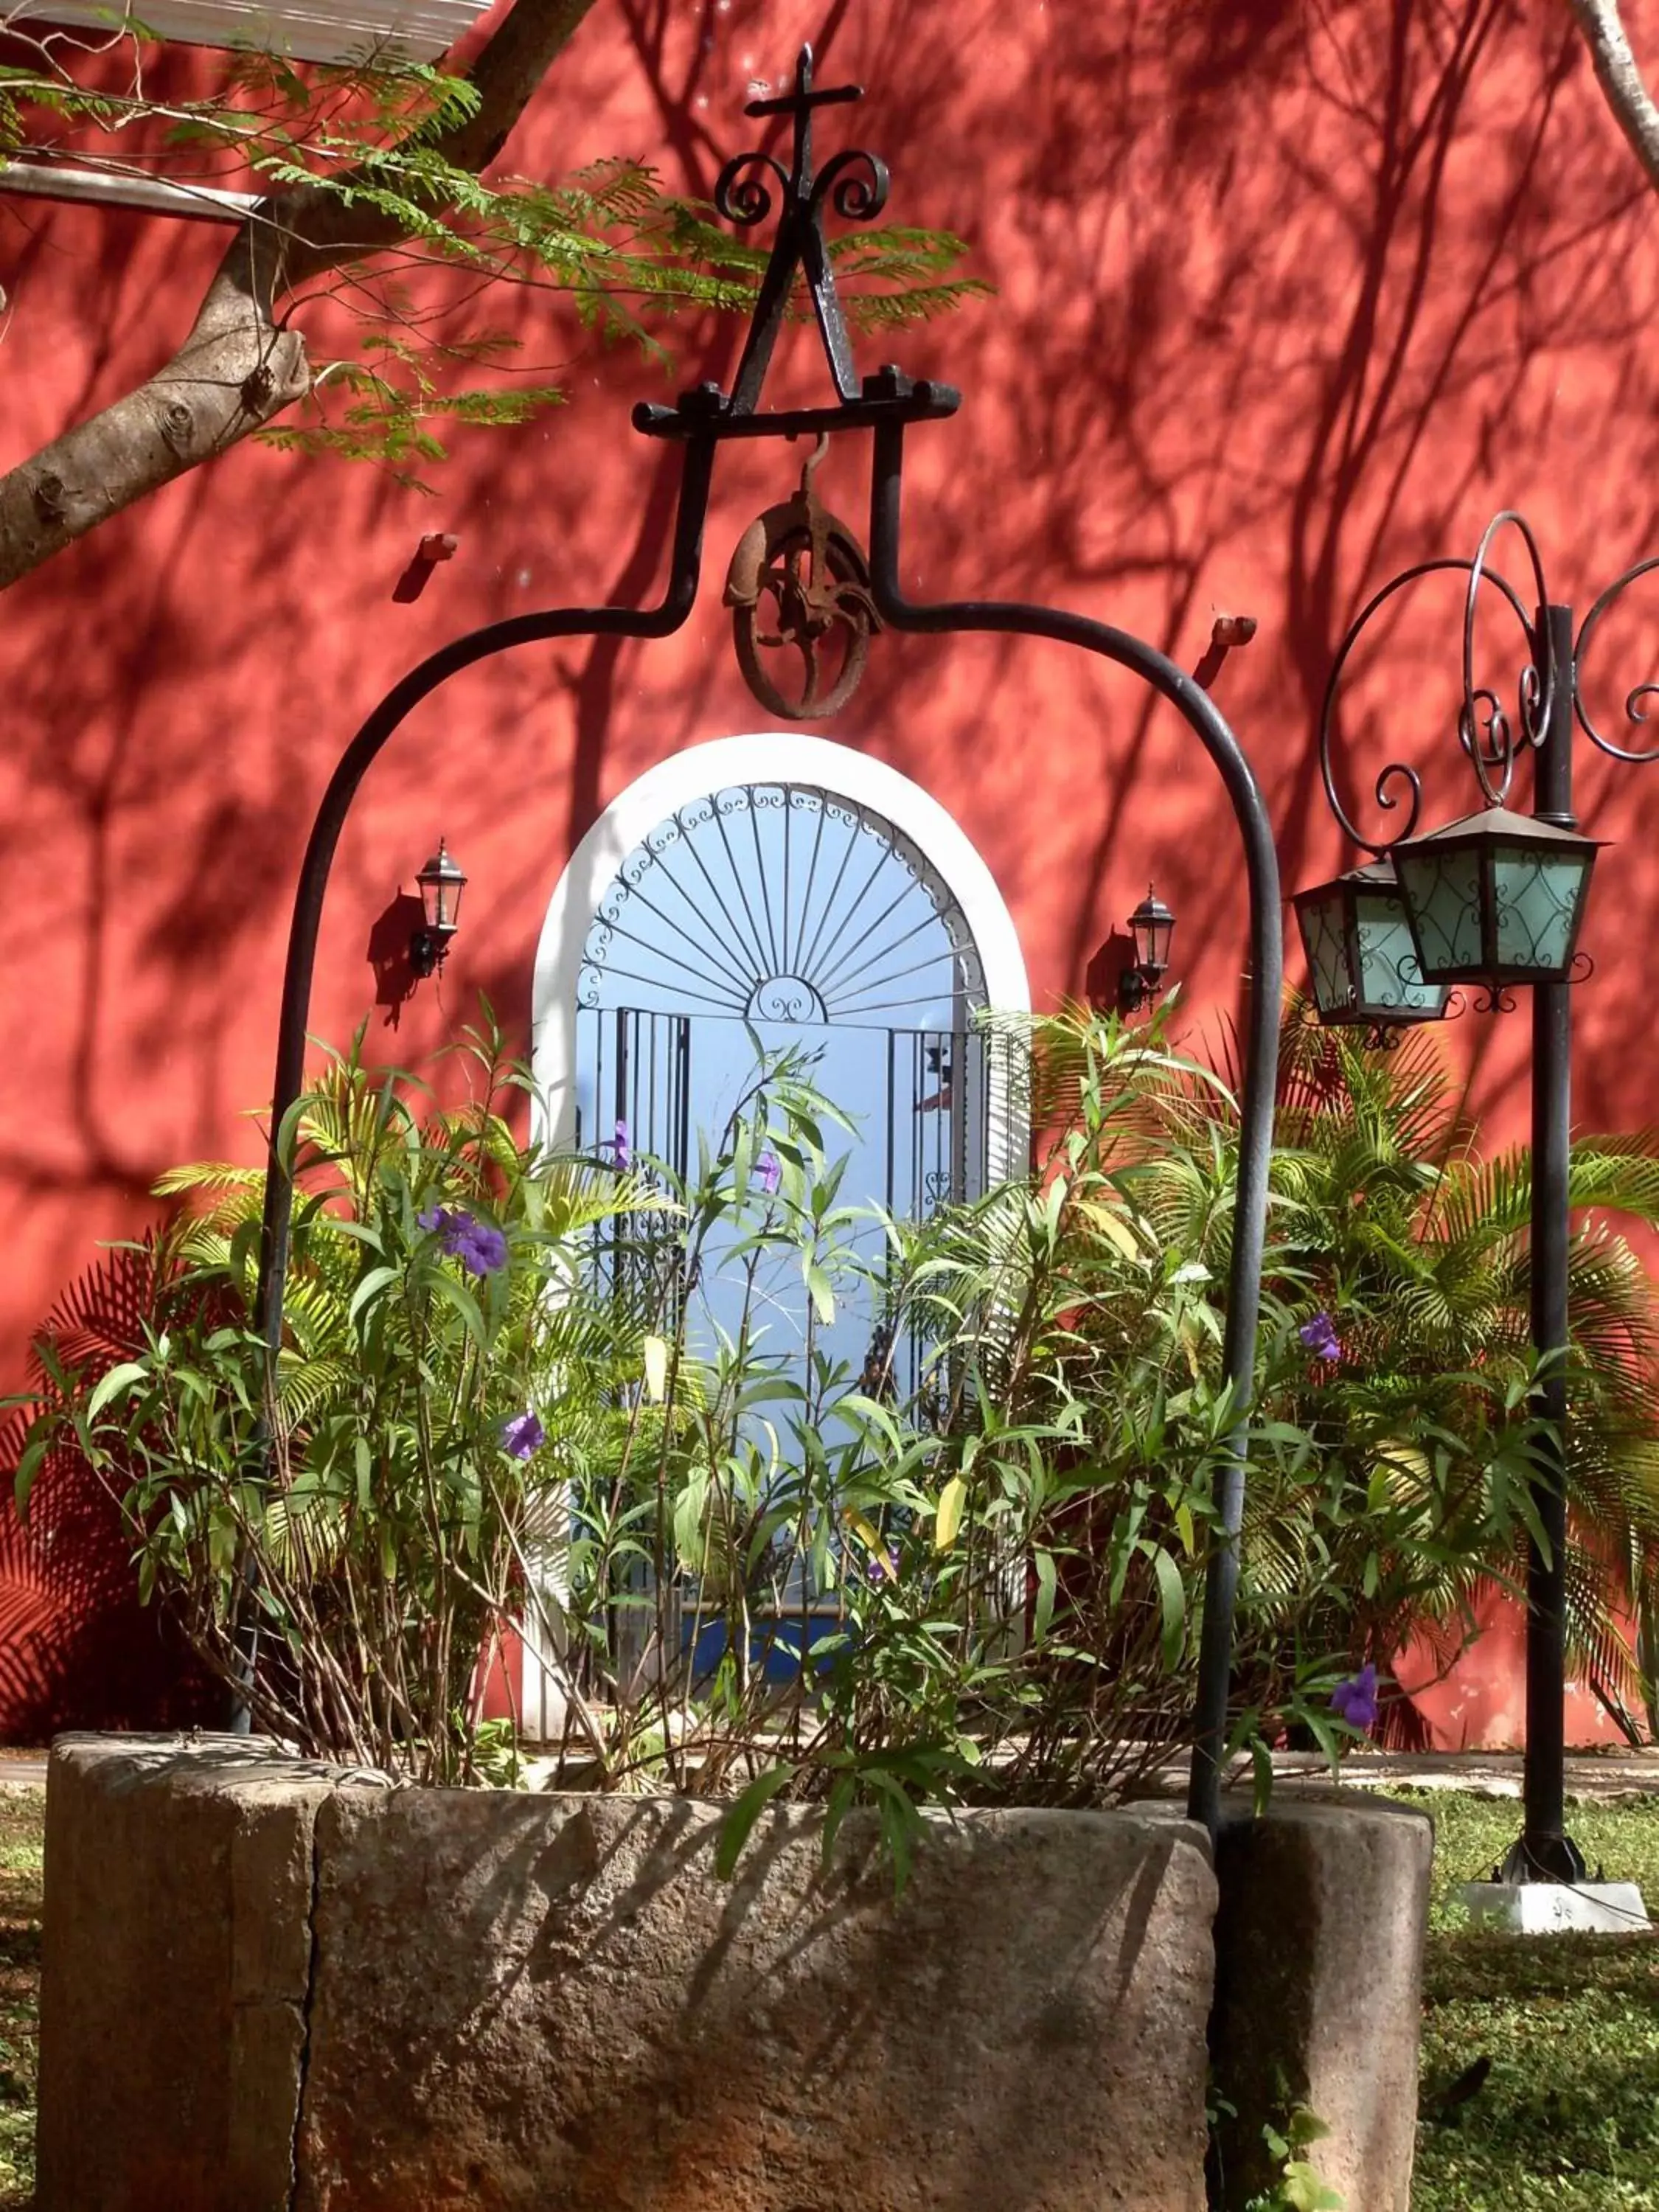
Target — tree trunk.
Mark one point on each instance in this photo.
(233, 372)
(240, 366)
(1621, 79)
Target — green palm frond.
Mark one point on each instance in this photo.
(1384, 1211)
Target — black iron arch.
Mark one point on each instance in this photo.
(807, 568)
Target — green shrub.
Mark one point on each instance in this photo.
(517, 1388)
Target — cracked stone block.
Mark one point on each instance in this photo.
(553, 2002)
(177, 1956)
(269, 1988)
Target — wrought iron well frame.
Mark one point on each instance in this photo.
(886, 404)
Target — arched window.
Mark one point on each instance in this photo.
(817, 895)
(785, 890)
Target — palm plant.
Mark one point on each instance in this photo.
(494, 1355)
(1385, 1219)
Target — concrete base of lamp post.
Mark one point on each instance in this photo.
(1554, 1908)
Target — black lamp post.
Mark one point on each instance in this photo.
(800, 585)
(1497, 900)
(1151, 928)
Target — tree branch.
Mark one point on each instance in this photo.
(239, 366)
(1621, 80)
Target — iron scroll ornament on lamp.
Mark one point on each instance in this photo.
(855, 185)
(1497, 899)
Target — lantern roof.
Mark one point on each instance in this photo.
(1152, 908)
(1503, 822)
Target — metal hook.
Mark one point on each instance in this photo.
(814, 460)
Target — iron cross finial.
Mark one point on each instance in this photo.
(803, 97)
(855, 181)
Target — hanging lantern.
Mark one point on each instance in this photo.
(1496, 898)
(1361, 955)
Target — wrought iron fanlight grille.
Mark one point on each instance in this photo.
(781, 903)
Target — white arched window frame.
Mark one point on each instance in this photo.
(765, 758)
(760, 759)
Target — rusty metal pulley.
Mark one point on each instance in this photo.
(798, 581)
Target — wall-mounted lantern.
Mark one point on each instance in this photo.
(442, 884)
(1151, 925)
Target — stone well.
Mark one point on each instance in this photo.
(272, 1986)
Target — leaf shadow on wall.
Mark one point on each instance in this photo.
(76, 1647)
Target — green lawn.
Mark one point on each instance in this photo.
(22, 1814)
(1566, 2118)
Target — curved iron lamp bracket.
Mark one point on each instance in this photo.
(886, 403)
(1017, 618)
(1635, 710)
(1490, 744)
(1487, 737)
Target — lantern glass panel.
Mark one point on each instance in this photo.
(1390, 977)
(442, 884)
(1536, 899)
(1442, 890)
(1325, 938)
(1151, 925)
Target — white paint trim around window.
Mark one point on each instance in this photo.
(767, 756)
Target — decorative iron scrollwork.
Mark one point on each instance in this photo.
(780, 903)
(1636, 712)
(1490, 739)
(799, 582)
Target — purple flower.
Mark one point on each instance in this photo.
(1321, 1338)
(622, 1148)
(769, 1171)
(880, 1570)
(1355, 1700)
(523, 1435)
(478, 1245)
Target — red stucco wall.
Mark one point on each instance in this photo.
(1285, 298)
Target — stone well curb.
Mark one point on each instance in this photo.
(271, 1986)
